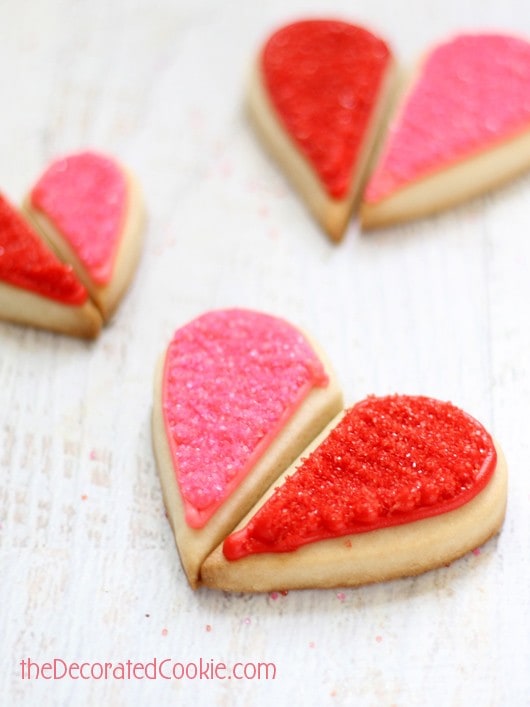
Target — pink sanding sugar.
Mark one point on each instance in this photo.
(472, 92)
(232, 378)
(84, 197)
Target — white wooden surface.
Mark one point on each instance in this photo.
(88, 567)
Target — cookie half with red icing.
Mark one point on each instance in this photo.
(36, 288)
(317, 97)
(395, 486)
(238, 395)
(463, 128)
(89, 208)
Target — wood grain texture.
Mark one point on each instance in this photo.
(88, 565)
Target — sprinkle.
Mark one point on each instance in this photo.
(164, 632)
(311, 644)
(274, 595)
(84, 497)
(247, 621)
(379, 639)
(476, 551)
(341, 596)
(208, 628)
(93, 455)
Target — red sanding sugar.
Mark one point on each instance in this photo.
(323, 78)
(389, 461)
(27, 263)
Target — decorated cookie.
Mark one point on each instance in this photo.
(463, 128)
(238, 395)
(393, 487)
(36, 288)
(88, 207)
(317, 97)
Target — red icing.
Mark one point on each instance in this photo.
(232, 379)
(323, 78)
(389, 461)
(25, 261)
(472, 93)
(85, 198)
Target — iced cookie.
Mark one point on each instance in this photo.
(89, 208)
(393, 487)
(317, 97)
(463, 128)
(238, 395)
(35, 287)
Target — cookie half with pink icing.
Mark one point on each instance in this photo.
(36, 288)
(393, 487)
(463, 128)
(89, 209)
(318, 95)
(238, 395)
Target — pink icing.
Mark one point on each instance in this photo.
(85, 198)
(232, 379)
(472, 93)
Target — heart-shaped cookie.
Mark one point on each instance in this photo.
(238, 395)
(393, 487)
(89, 208)
(463, 128)
(35, 287)
(318, 94)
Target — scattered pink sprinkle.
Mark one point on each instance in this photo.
(208, 628)
(347, 543)
(247, 620)
(275, 595)
(93, 455)
(164, 632)
(311, 644)
(341, 596)
(379, 639)
(476, 551)
(84, 497)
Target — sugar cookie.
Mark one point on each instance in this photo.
(238, 395)
(393, 487)
(317, 97)
(36, 288)
(463, 128)
(89, 208)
